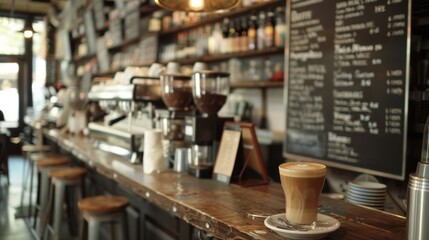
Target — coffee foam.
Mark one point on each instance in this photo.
(302, 169)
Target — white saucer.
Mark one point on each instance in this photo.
(366, 197)
(366, 193)
(324, 225)
(369, 186)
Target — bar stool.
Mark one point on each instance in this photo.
(62, 178)
(102, 209)
(43, 155)
(45, 163)
(28, 170)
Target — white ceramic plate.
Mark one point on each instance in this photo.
(366, 197)
(366, 177)
(324, 225)
(367, 185)
(363, 201)
(367, 192)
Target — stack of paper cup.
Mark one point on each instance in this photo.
(153, 157)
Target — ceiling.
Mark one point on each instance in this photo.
(30, 6)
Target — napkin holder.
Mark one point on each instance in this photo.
(239, 159)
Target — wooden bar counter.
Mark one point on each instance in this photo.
(223, 210)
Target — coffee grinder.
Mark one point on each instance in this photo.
(177, 96)
(204, 129)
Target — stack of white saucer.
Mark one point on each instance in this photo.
(370, 194)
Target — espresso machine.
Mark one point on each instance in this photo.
(177, 96)
(204, 128)
(130, 111)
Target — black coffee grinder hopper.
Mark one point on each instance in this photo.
(204, 129)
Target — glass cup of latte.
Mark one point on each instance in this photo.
(302, 183)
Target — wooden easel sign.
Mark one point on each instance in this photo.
(239, 158)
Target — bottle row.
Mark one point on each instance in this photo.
(255, 32)
(179, 18)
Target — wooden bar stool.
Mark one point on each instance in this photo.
(43, 155)
(102, 209)
(62, 178)
(45, 163)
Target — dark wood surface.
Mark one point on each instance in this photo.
(221, 209)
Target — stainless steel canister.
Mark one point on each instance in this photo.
(418, 208)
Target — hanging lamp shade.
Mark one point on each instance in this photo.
(197, 5)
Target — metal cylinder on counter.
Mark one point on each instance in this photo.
(418, 194)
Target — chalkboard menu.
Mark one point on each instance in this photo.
(347, 84)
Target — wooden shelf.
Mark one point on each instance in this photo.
(112, 72)
(227, 56)
(123, 45)
(108, 73)
(147, 9)
(264, 84)
(219, 17)
(80, 59)
(210, 58)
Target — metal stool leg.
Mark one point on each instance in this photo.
(58, 207)
(25, 169)
(45, 197)
(30, 197)
(94, 220)
(73, 213)
(93, 229)
(47, 214)
(117, 230)
(57, 199)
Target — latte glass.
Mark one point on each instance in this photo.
(302, 184)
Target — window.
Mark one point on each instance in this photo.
(39, 68)
(9, 97)
(11, 39)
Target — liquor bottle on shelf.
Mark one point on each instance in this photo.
(244, 44)
(191, 50)
(252, 32)
(225, 47)
(232, 37)
(269, 30)
(280, 29)
(181, 45)
(261, 31)
(205, 45)
(237, 36)
(215, 39)
(199, 42)
(268, 70)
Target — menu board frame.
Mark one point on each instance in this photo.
(344, 165)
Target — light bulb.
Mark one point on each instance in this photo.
(28, 33)
(196, 4)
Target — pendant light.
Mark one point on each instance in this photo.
(197, 5)
(28, 31)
